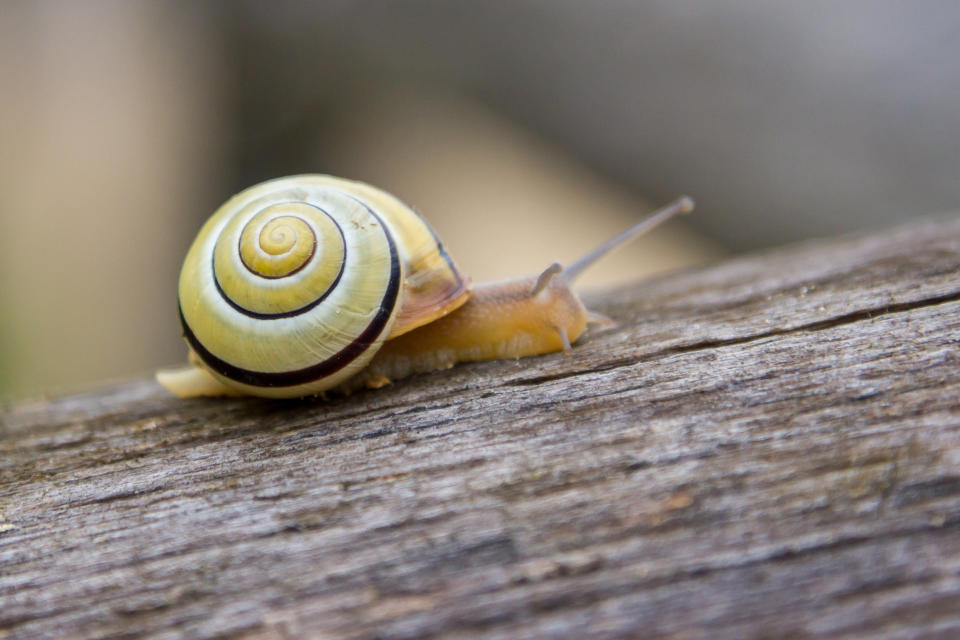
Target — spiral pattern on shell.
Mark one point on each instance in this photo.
(293, 284)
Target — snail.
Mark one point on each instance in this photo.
(308, 283)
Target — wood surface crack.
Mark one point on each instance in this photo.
(820, 325)
(704, 345)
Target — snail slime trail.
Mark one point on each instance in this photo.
(308, 283)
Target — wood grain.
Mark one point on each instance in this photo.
(768, 447)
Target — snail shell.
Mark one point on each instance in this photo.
(293, 284)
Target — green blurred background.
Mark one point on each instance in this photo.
(525, 131)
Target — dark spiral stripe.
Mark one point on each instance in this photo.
(322, 369)
(443, 252)
(295, 312)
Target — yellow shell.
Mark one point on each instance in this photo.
(292, 286)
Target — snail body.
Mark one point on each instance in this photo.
(307, 283)
(501, 320)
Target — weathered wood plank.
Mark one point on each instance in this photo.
(767, 447)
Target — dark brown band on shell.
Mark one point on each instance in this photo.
(295, 312)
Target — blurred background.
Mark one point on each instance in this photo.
(526, 132)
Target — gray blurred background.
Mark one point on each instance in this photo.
(525, 131)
